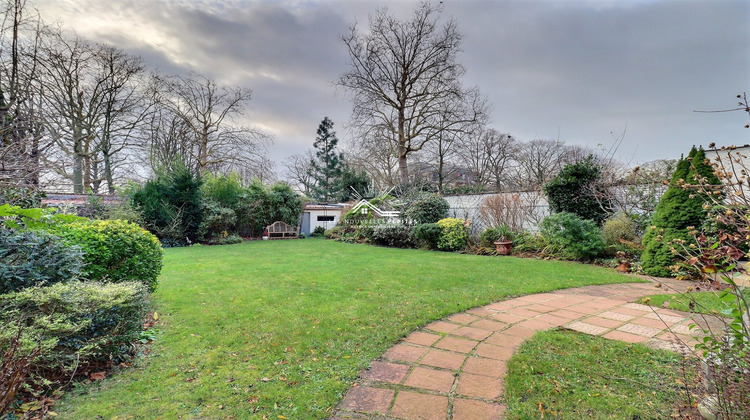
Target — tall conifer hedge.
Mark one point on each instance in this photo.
(680, 207)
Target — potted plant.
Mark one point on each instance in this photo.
(504, 242)
(624, 266)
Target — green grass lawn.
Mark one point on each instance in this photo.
(282, 328)
(702, 302)
(569, 375)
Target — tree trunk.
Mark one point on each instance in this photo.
(78, 173)
(403, 169)
(440, 175)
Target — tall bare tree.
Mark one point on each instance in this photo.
(375, 158)
(72, 95)
(298, 172)
(210, 112)
(491, 156)
(21, 130)
(403, 76)
(124, 106)
(539, 161)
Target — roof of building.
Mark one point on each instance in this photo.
(320, 206)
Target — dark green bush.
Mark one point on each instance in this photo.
(571, 237)
(364, 232)
(227, 239)
(262, 206)
(657, 258)
(24, 197)
(171, 206)
(76, 322)
(286, 205)
(337, 232)
(397, 236)
(226, 191)
(453, 235)
(427, 235)
(36, 258)
(428, 208)
(217, 221)
(681, 207)
(578, 189)
(318, 231)
(115, 251)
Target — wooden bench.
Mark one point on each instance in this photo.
(282, 230)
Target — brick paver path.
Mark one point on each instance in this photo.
(454, 368)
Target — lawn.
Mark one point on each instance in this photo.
(701, 302)
(280, 329)
(569, 375)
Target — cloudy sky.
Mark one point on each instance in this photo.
(578, 71)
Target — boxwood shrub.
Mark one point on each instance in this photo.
(115, 251)
(35, 258)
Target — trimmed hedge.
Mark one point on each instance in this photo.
(115, 251)
(76, 322)
(36, 258)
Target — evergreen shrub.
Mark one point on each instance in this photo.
(75, 322)
(428, 208)
(453, 235)
(571, 237)
(115, 251)
(427, 235)
(577, 189)
(36, 258)
(397, 236)
(681, 207)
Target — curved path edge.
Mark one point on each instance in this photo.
(454, 368)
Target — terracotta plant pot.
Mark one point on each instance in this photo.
(624, 267)
(503, 247)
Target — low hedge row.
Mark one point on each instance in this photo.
(74, 322)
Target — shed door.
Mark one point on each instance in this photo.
(305, 223)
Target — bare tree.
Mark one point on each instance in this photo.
(124, 107)
(447, 141)
(71, 95)
(375, 158)
(21, 130)
(539, 161)
(491, 156)
(403, 77)
(209, 112)
(169, 140)
(298, 172)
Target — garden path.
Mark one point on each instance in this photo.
(454, 368)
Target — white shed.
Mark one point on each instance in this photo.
(325, 215)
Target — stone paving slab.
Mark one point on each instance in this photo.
(454, 368)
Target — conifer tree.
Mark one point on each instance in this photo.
(681, 207)
(327, 165)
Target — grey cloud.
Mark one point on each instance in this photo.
(580, 69)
